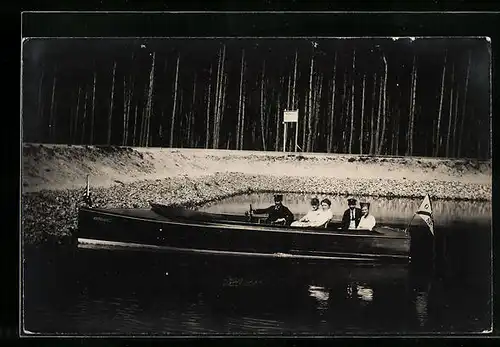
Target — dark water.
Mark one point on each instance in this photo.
(96, 292)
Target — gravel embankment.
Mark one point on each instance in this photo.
(51, 215)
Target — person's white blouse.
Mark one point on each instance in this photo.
(317, 218)
(367, 223)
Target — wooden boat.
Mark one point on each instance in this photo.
(184, 231)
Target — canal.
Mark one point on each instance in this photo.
(69, 291)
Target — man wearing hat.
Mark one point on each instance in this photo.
(367, 221)
(277, 213)
(352, 215)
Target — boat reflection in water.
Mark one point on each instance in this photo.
(421, 302)
(133, 293)
(354, 291)
(364, 293)
(321, 294)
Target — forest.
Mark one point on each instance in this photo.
(378, 96)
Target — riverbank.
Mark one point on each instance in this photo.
(54, 176)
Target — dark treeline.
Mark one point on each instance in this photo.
(423, 97)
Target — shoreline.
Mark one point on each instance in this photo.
(53, 214)
(131, 178)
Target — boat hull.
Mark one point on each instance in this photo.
(146, 230)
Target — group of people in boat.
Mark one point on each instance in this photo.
(320, 214)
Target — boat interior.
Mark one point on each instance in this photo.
(163, 213)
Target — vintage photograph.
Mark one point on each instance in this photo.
(246, 186)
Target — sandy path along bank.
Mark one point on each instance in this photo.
(66, 167)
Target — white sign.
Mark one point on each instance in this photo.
(291, 116)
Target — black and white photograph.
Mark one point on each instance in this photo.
(256, 186)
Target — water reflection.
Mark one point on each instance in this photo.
(110, 293)
(421, 301)
(397, 210)
(364, 293)
(247, 305)
(321, 295)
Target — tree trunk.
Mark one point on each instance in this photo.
(218, 104)
(304, 123)
(150, 100)
(242, 134)
(437, 140)
(372, 118)
(160, 128)
(313, 113)
(455, 122)
(309, 118)
(182, 120)
(40, 103)
(379, 115)
(127, 112)
(384, 106)
(77, 114)
(289, 92)
(209, 97)
(51, 119)
(361, 135)
(278, 118)
(223, 88)
(82, 141)
(143, 126)
(221, 96)
(223, 106)
(382, 133)
(414, 103)
(240, 99)
(217, 100)
(191, 121)
(174, 106)
(464, 108)
(56, 104)
(134, 138)
(332, 110)
(111, 99)
(450, 110)
(125, 99)
(393, 128)
(317, 101)
(294, 106)
(449, 123)
(142, 137)
(398, 119)
(409, 150)
(262, 123)
(71, 118)
(353, 81)
(92, 115)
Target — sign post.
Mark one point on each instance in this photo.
(290, 117)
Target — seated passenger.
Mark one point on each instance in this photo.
(326, 207)
(352, 215)
(277, 213)
(314, 218)
(367, 221)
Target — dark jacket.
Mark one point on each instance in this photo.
(275, 213)
(346, 218)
